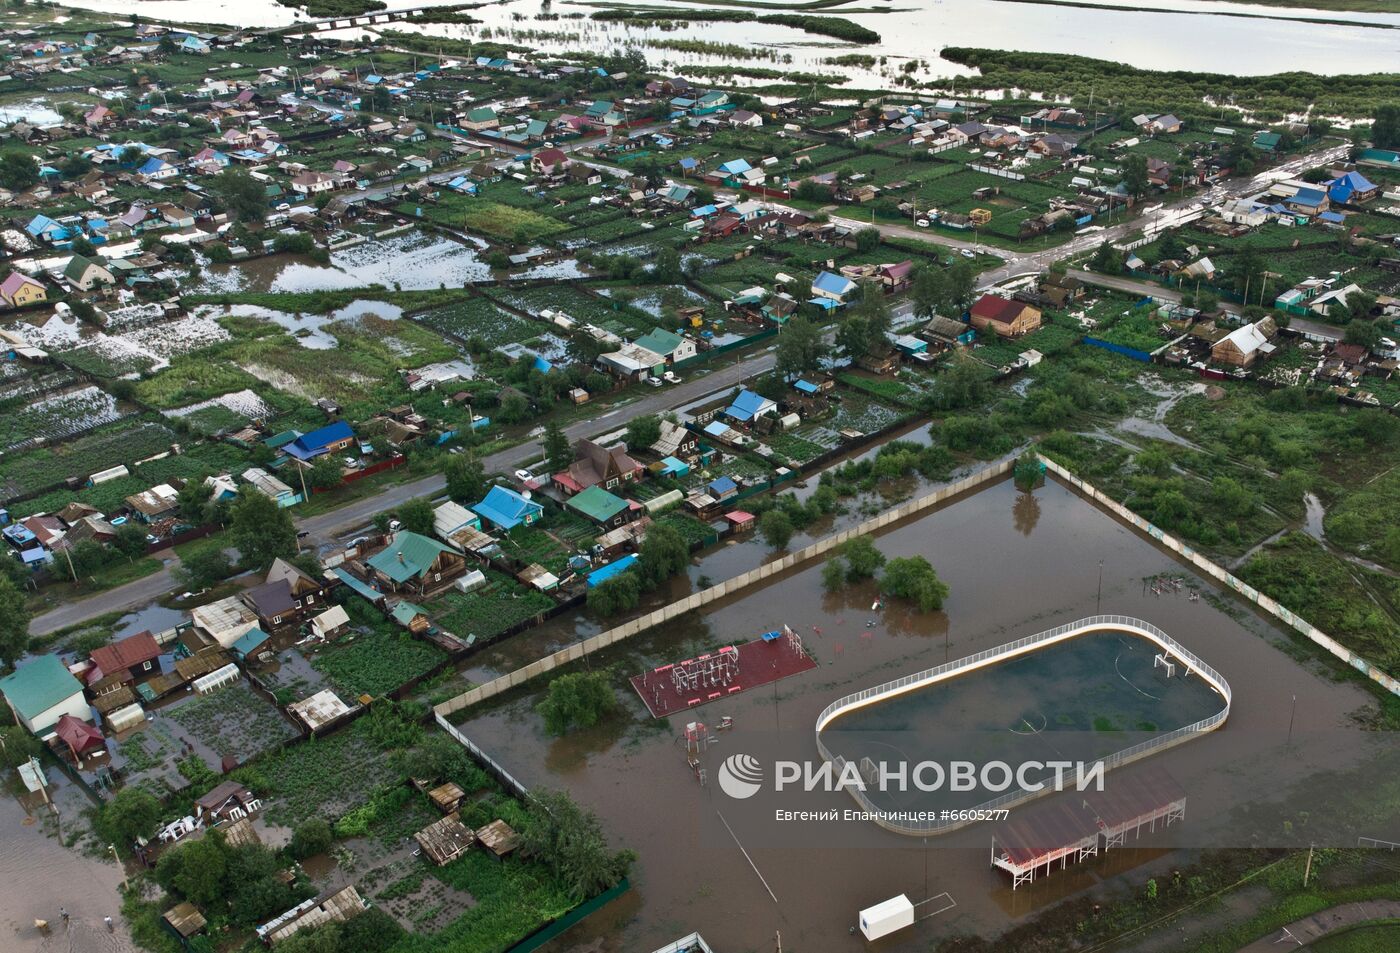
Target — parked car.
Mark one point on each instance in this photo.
(922, 223)
(671, 377)
(653, 382)
(967, 253)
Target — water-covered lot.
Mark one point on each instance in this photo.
(1016, 565)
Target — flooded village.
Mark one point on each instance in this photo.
(455, 460)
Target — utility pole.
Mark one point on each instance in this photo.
(1307, 869)
(1098, 602)
(1291, 713)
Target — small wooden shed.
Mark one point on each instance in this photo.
(443, 841)
(498, 837)
(446, 797)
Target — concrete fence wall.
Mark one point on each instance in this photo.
(1246, 591)
(717, 592)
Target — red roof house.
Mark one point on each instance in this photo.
(1005, 317)
(549, 161)
(130, 657)
(79, 736)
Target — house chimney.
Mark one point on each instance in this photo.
(400, 555)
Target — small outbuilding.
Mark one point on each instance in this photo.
(184, 920)
(446, 797)
(885, 918)
(498, 837)
(443, 841)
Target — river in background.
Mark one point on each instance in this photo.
(1202, 35)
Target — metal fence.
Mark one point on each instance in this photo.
(947, 670)
(494, 766)
(1270, 605)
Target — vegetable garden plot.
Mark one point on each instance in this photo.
(324, 777)
(375, 663)
(43, 467)
(489, 611)
(478, 318)
(577, 304)
(858, 412)
(53, 418)
(232, 721)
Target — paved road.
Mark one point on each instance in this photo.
(327, 527)
(139, 592)
(353, 516)
(1310, 929)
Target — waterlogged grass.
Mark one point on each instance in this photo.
(1331, 594)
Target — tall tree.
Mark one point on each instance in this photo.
(416, 515)
(325, 473)
(800, 348)
(14, 623)
(667, 267)
(466, 478)
(261, 530)
(962, 285)
(928, 292)
(244, 196)
(571, 841)
(1385, 130)
(17, 171)
(1135, 175)
(855, 337)
(558, 453)
(643, 431)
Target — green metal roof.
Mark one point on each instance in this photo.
(597, 504)
(35, 688)
(661, 341)
(418, 552)
(405, 612)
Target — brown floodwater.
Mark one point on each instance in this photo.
(42, 875)
(1016, 565)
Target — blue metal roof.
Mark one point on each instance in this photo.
(617, 567)
(251, 641)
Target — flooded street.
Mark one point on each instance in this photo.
(1016, 564)
(55, 876)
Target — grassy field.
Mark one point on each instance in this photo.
(1383, 938)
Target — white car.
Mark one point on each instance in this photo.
(670, 377)
(967, 253)
(653, 382)
(524, 476)
(922, 223)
